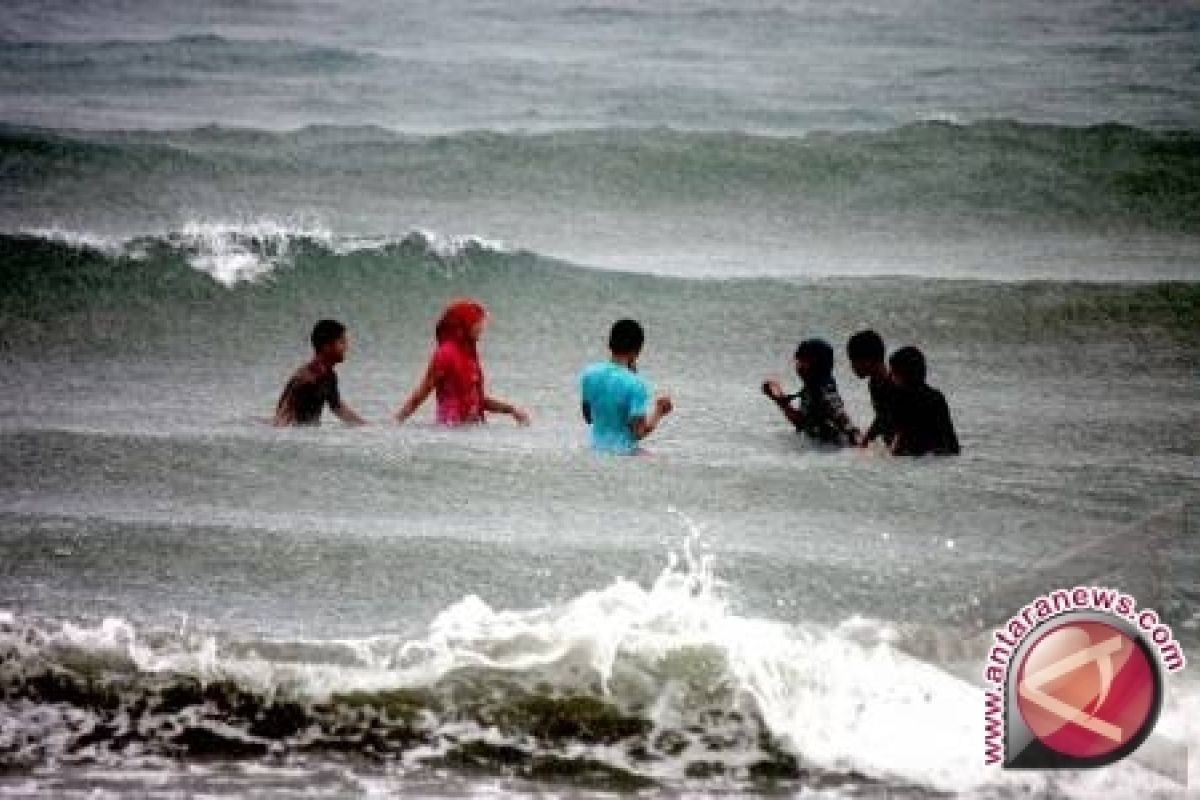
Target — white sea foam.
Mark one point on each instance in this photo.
(838, 704)
(109, 245)
(455, 245)
(232, 253)
(237, 252)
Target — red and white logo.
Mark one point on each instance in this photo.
(1086, 689)
(1083, 690)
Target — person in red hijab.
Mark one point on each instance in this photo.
(455, 374)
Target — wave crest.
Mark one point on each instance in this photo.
(625, 683)
(233, 253)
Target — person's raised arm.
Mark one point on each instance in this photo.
(420, 394)
(644, 425)
(774, 390)
(497, 406)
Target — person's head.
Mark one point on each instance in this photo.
(866, 353)
(626, 338)
(330, 341)
(463, 321)
(908, 367)
(814, 360)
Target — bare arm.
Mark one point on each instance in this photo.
(644, 426)
(498, 406)
(419, 395)
(348, 415)
(790, 412)
(783, 402)
(284, 415)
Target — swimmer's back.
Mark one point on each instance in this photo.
(615, 396)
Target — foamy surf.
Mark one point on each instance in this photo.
(245, 252)
(624, 685)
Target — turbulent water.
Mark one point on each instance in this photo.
(193, 602)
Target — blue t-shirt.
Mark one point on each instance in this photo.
(615, 396)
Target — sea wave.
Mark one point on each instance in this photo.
(232, 253)
(65, 291)
(627, 685)
(1001, 173)
(638, 685)
(183, 57)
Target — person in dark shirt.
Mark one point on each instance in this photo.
(820, 414)
(315, 385)
(868, 359)
(922, 418)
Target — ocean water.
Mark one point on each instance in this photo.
(195, 603)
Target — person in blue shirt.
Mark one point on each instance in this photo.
(616, 401)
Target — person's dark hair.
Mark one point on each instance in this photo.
(819, 355)
(908, 363)
(866, 345)
(325, 332)
(626, 337)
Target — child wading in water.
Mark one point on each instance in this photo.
(820, 415)
(315, 385)
(615, 400)
(868, 359)
(455, 374)
(922, 417)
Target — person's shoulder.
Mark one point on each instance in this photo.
(633, 379)
(930, 400)
(939, 400)
(449, 355)
(591, 371)
(591, 376)
(305, 373)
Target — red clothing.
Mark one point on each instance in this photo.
(460, 385)
(460, 395)
(457, 321)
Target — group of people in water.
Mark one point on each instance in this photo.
(910, 417)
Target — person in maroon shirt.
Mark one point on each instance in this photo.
(315, 385)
